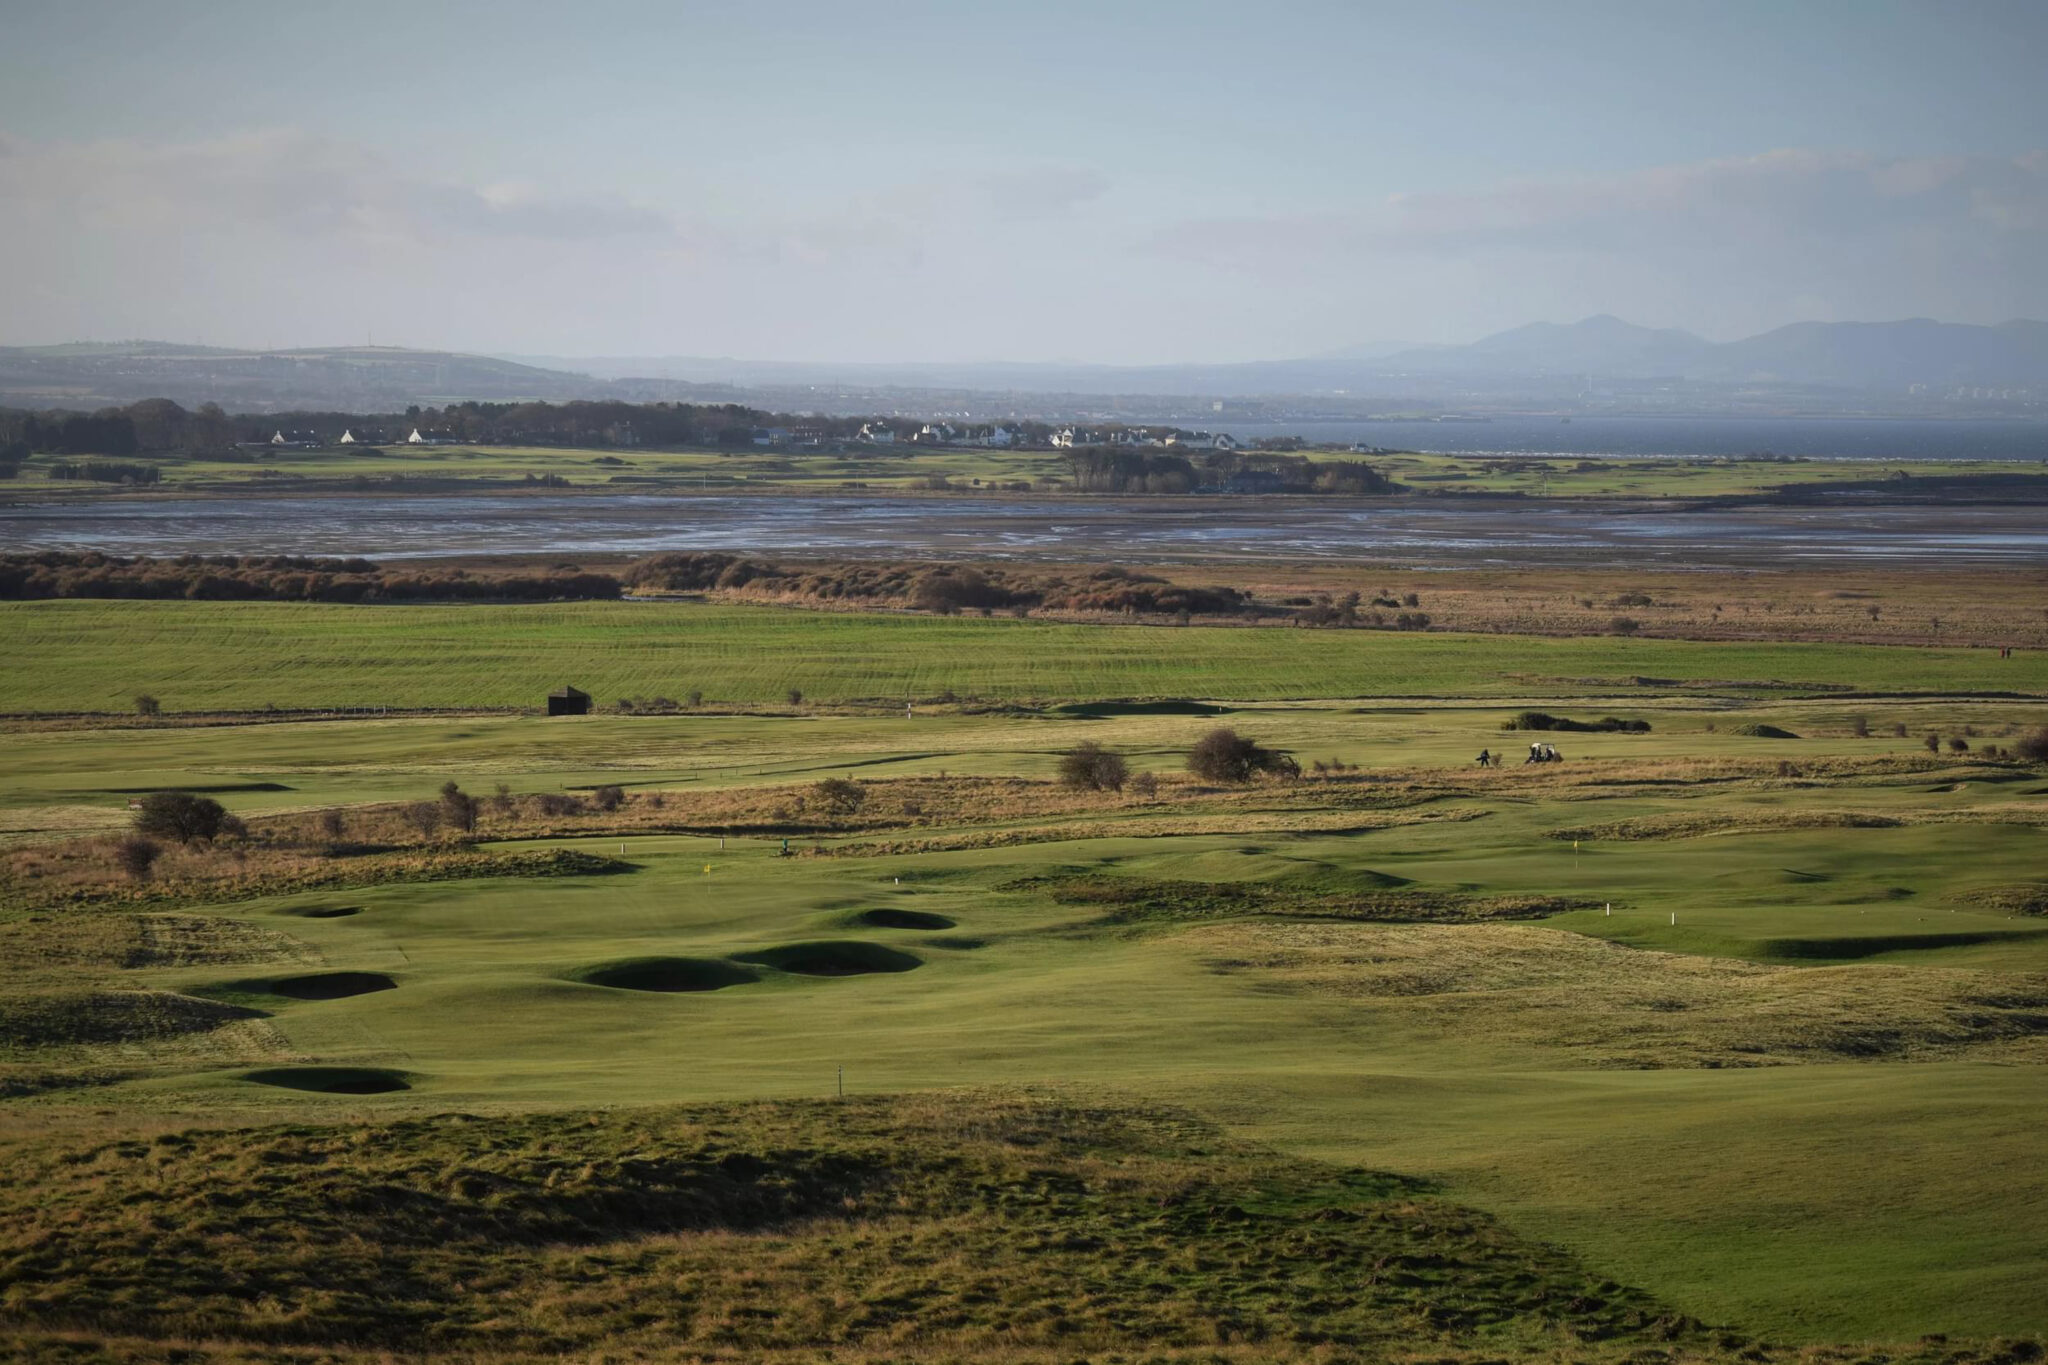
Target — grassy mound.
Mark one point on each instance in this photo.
(1543, 720)
(2019, 898)
(1569, 1000)
(55, 1018)
(117, 940)
(904, 919)
(331, 1080)
(665, 974)
(836, 957)
(329, 985)
(1758, 730)
(1143, 900)
(981, 1228)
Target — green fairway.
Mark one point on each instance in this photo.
(96, 656)
(1769, 1045)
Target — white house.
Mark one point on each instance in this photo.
(877, 434)
(348, 438)
(416, 439)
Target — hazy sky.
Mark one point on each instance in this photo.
(866, 180)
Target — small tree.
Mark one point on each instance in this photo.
(1933, 743)
(182, 816)
(1624, 625)
(1145, 785)
(608, 798)
(137, 856)
(458, 808)
(695, 696)
(1859, 725)
(1958, 745)
(334, 825)
(1090, 767)
(1223, 755)
(425, 817)
(146, 705)
(796, 696)
(840, 796)
(2033, 748)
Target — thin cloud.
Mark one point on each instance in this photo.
(1780, 197)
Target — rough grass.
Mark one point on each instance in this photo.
(112, 940)
(1592, 1003)
(83, 875)
(2019, 898)
(60, 1018)
(1134, 900)
(945, 1228)
(1694, 824)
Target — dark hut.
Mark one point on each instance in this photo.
(568, 701)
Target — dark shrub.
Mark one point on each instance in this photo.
(796, 696)
(146, 705)
(608, 798)
(182, 816)
(458, 808)
(2033, 748)
(1090, 767)
(1624, 625)
(1223, 755)
(556, 803)
(1145, 785)
(137, 855)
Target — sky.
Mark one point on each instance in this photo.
(1100, 182)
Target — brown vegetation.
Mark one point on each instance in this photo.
(1585, 1002)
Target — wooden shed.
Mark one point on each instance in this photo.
(568, 701)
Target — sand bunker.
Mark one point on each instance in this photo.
(328, 985)
(845, 957)
(904, 919)
(331, 1080)
(666, 974)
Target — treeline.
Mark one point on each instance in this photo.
(278, 578)
(946, 589)
(1101, 469)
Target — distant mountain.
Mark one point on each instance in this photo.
(353, 378)
(1892, 354)
(1850, 355)
(1908, 362)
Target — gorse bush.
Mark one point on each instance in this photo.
(2034, 747)
(1223, 755)
(1090, 767)
(839, 796)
